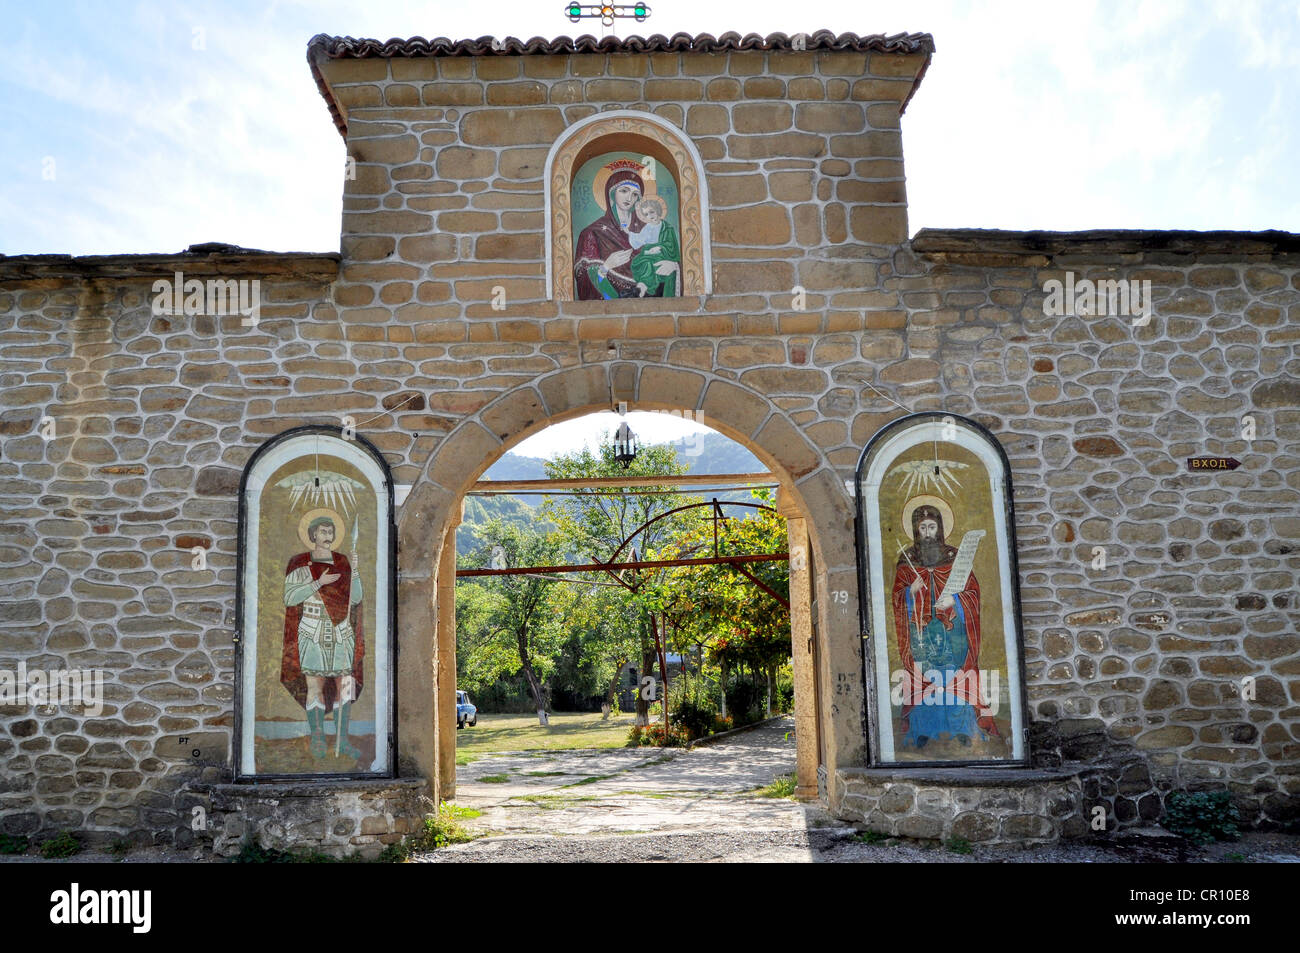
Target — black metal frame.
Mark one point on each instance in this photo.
(870, 728)
(239, 775)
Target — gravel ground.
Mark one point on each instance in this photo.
(821, 846)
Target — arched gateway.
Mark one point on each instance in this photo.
(808, 497)
(532, 231)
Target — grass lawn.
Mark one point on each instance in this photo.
(523, 733)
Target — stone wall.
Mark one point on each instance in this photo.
(337, 818)
(1140, 663)
(989, 806)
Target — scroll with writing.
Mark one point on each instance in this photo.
(962, 564)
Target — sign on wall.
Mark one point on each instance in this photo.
(316, 608)
(626, 229)
(940, 594)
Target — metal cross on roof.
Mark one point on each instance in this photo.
(607, 12)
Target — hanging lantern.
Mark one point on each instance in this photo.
(624, 444)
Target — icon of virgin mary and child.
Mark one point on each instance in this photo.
(631, 251)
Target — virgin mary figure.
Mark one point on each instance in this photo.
(602, 259)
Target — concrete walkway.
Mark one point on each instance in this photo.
(631, 805)
(637, 790)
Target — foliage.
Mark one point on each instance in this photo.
(481, 509)
(11, 844)
(783, 689)
(444, 828)
(654, 736)
(618, 623)
(1201, 816)
(745, 698)
(871, 837)
(958, 845)
(543, 641)
(721, 607)
(60, 845)
(509, 626)
(494, 778)
(120, 847)
(693, 706)
(252, 852)
(782, 786)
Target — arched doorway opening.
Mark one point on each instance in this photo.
(667, 566)
(810, 497)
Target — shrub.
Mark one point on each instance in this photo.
(653, 736)
(62, 844)
(958, 845)
(692, 707)
(1201, 816)
(871, 837)
(782, 786)
(444, 828)
(252, 852)
(783, 691)
(10, 844)
(746, 701)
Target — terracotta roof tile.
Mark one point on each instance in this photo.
(336, 47)
(322, 47)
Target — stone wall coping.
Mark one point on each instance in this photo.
(314, 789)
(987, 246)
(212, 259)
(961, 777)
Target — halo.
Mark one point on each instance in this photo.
(944, 510)
(340, 526)
(603, 174)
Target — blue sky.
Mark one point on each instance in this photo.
(146, 127)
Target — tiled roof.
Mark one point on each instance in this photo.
(322, 47)
(335, 47)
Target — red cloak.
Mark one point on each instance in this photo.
(336, 597)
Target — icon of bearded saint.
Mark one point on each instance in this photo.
(938, 638)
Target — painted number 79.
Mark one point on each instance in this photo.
(840, 597)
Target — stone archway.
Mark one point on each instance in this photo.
(829, 704)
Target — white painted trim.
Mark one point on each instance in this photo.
(378, 641)
(674, 131)
(907, 437)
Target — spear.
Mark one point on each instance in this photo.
(338, 733)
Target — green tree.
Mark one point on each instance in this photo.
(595, 524)
(513, 612)
(730, 619)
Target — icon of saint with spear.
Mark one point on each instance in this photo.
(324, 638)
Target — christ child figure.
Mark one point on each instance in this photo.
(655, 262)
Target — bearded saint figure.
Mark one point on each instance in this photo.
(938, 640)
